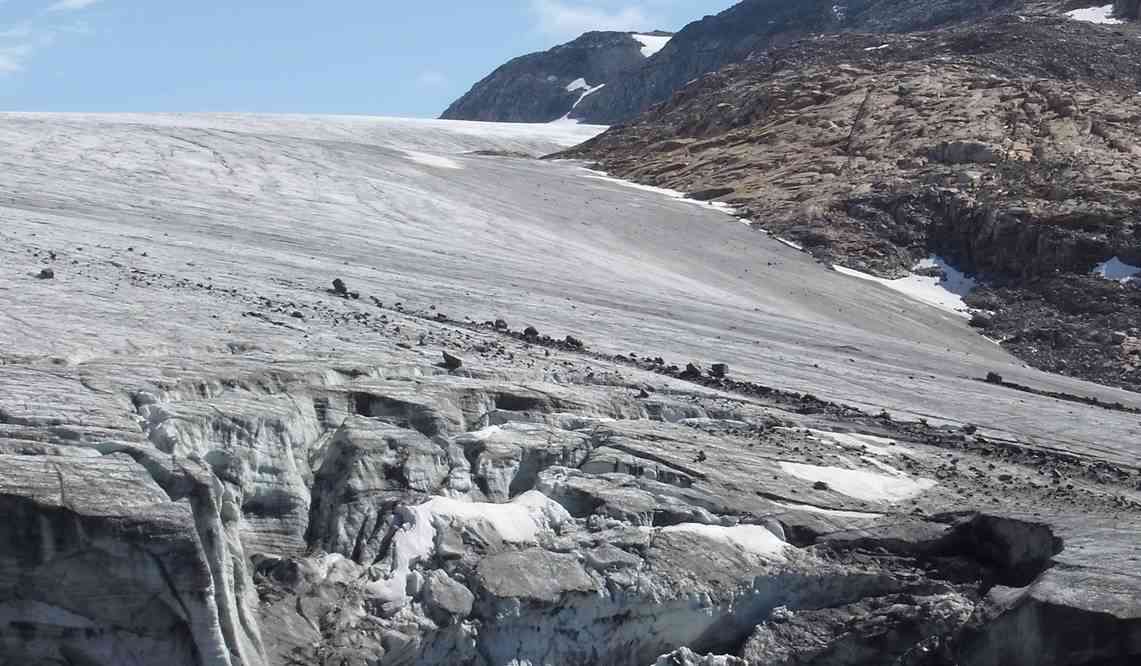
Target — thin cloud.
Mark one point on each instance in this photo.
(20, 42)
(71, 5)
(21, 31)
(567, 20)
(13, 58)
(431, 79)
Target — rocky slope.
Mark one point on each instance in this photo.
(541, 87)
(1009, 146)
(212, 453)
(520, 90)
(756, 25)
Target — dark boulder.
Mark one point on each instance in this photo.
(981, 320)
(452, 362)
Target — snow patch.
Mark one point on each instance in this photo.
(428, 159)
(519, 522)
(587, 91)
(860, 484)
(1116, 269)
(1103, 15)
(485, 434)
(753, 539)
(796, 246)
(651, 44)
(945, 293)
(673, 194)
(877, 48)
(878, 446)
(834, 513)
(590, 90)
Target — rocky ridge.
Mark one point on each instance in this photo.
(1008, 146)
(754, 26)
(542, 87)
(706, 45)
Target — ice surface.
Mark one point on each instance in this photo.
(428, 159)
(861, 484)
(278, 206)
(946, 294)
(1103, 14)
(651, 44)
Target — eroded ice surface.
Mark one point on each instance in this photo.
(281, 205)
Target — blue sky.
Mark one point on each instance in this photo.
(348, 56)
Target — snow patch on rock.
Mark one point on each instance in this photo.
(651, 44)
(673, 194)
(1102, 15)
(587, 91)
(945, 293)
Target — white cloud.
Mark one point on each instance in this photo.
(71, 5)
(566, 20)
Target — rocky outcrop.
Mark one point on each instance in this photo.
(753, 26)
(1127, 9)
(1008, 147)
(896, 629)
(541, 87)
(860, 146)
